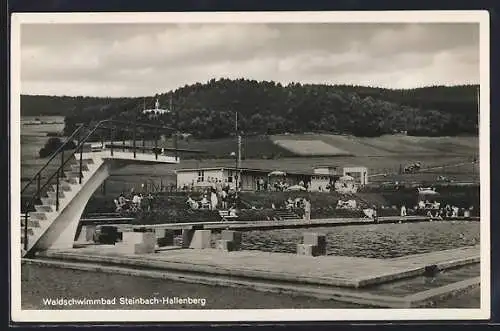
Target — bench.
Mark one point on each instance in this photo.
(226, 215)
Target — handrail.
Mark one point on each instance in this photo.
(70, 138)
(60, 169)
(83, 141)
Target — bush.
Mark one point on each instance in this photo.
(98, 205)
(52, 145)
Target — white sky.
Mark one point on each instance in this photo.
(144, 59)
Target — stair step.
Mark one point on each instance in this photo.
(76, 160)
(48, 201)
(72, 180)
(42, 216)
(73, 174)
(63, 185)
(44, 208)
(54, 195)
(31, 223)
(30, 232)
(76, 167)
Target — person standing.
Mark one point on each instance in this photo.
(224, 199)
(403, 211)
(213, 200)
(307, 210)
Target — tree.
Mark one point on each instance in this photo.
(264, 107)
(52, 145)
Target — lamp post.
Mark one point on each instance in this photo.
(238, 154)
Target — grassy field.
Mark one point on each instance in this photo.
(260, 147)
(296, 145)
(314, 147)
(393, 144)
(448, 156)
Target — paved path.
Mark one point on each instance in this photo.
(339, 271)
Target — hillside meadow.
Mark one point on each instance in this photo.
(385, 154)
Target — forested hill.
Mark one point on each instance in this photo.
(207, 110)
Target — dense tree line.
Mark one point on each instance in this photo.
(208, 110)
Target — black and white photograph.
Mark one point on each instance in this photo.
(273, 166)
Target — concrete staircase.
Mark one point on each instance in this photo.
(45, 213)
(284, 214)
(52, 226)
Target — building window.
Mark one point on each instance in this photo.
(201, 176)
(230, 177)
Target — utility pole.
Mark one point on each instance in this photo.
(176, 128)
(238, 153)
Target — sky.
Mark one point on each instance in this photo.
(129, 60)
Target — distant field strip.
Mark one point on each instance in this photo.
(310, 147)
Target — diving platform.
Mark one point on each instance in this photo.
(52, 214)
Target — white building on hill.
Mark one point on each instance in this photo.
(157, 110)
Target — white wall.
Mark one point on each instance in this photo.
(187, 177)
(317, 181)
(360, 173)
(213, 174)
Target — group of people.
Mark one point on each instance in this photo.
(139, 201)
(449, 211)
(434, 210)
(213, 182)
(297, 203)
(217, 197)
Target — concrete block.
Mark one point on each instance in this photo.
(160, 233)
(166, 240)
(315, 239)
(132, 237)
(320, 250)
(149, 240)
(230, 235)
(187, 237)
(308, 250)
(201, 239)
(304, 249)
(234, 237)
(108, 235)
(225, 245)
(87, 233)
(138, 242)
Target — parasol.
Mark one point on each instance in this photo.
(296, 188)
(277, 173)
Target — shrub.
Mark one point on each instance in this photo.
(52, 145)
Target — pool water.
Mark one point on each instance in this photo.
(372, 240)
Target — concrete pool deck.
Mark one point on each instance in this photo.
(340, 278)
(337, 271)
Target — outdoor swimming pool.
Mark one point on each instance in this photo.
(372, 240)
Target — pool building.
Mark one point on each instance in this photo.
(249, 179)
